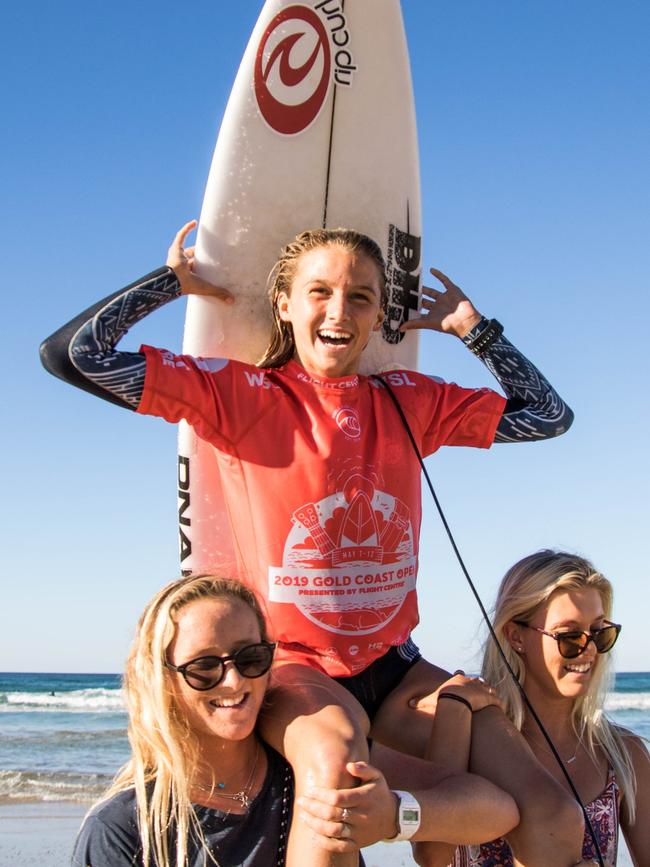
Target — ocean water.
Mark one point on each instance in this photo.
(63, 736)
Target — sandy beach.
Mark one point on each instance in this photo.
(38, 833)
(42, 833)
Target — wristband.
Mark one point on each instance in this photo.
(454, 697)
(490, 332)
(408, 816)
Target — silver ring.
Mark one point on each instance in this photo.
(345, 814)
(459, 671)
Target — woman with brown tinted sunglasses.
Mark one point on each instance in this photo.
(552, 618)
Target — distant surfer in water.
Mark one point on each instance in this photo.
(324, 498)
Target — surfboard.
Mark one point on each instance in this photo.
(319, 131)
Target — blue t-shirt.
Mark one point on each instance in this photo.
(109, 837)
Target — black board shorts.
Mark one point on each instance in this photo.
(372, 685)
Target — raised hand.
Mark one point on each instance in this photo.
(450, 312)
(181, 260)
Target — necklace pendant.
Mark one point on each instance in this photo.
(243, 799)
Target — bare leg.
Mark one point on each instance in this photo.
(551, 827)
(318, 726)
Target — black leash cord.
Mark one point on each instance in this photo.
(486, 617)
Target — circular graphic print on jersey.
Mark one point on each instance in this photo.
(348, 561)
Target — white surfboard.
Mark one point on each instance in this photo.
(319, 131)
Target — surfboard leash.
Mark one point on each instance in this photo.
(486, 616)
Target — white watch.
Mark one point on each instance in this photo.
(408, 816)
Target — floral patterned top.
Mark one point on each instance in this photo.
(603, 814)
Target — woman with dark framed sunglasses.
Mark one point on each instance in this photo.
(206, 672)
(195, 682)
(552, 618)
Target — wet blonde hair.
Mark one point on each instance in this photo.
(164, 748)
(526, 587)
(281, 346)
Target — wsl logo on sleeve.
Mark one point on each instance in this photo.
(300, 53)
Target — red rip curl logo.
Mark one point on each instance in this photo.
(290, 94)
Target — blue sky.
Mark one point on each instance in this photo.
(534, 137)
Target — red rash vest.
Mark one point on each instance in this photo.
(322, 489)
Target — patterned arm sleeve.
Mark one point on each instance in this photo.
(534, 410)
(83, 351)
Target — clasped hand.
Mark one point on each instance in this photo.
(472, 689)
(345, 820)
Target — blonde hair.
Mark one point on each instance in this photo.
(526, 587)
(164, 748)
(281, 346)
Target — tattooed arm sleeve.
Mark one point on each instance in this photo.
(534, 410)
(83, 352)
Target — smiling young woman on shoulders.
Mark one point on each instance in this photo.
(323, 492)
